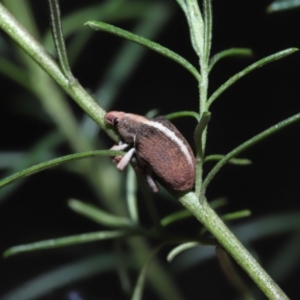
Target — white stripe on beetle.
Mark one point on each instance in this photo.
(170, 134)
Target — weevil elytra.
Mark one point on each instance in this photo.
(161, 149)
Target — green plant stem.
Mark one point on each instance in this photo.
(200, 32)
(36, 51)
(59, 39)
(206, 215)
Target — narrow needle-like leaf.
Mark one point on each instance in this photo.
(144, 42)
(233, 161)
(273, 129)
(59, 38)
(54, 162)
(181, 114)
(232, 52)
(281, 5)
(131, 196)
(199, 131)
(139, 286)
(181, 248)
(98, 215)
(247, 70)
(208, 28)
(65, 241)
(182, 4)
(236, 215)
(177, 216)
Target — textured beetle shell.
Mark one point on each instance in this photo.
(161, 153)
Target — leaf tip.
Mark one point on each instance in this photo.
(90, 24)
(6, 253)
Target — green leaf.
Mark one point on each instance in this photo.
(42, 150)
(58, 38)
(232, 52)
(196, 26)
(218, 202)
(233, 161)
(175, 217)
(139, 286)
(281, 5)
(65, 241)
(232, 275)
(182, 4)
(144, 42)
(181, 248)
(48, 280)
(14, 72)
(98, 215)
(247, 70)
(131, 195)
(54, 162)
(236, 215)
(249, 143)
(207, 10)
(181, 114)
(205, 117)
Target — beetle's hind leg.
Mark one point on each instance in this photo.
(151, 181)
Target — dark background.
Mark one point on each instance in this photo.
(270, 185)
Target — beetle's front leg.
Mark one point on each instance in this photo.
(121, 146)
(124, 161)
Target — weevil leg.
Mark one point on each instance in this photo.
(151, 182)
(125, 160)
(121, 146)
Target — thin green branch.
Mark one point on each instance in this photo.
(247, 70)
(251, 142)
(36, 51)
(203, 212)
(144, 42)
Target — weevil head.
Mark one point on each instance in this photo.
(127, 124)
(122, 123)
(113, 117)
